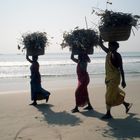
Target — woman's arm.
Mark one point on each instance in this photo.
(88, 59)
(122, 74)
(74, 59)
(120, 64)
(27, 57)
(102, 46)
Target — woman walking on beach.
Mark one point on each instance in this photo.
(81, 93)
(114, 72)
(37, 92)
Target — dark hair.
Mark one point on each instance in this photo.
(114, 43)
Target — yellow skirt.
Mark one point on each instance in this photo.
(114, 95)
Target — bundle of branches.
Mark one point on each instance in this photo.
(118, 19)
(80, 38)
(34, 40)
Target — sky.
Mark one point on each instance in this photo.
(56, 16)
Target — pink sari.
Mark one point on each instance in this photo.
(81, 93)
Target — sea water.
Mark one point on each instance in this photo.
(60, 65)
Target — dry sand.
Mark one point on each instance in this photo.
(54, 120)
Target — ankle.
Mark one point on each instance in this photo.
(108, 113)
(126, 104)
(75, 110)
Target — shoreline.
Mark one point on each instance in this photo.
(14, 85)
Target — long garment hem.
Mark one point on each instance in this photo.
(114, 95)
(37, 92)
(81, 93)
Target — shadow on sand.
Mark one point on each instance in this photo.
(92, 113)
(57, 118)
(123, 129)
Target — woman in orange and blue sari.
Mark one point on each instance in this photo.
(37, 92)
(81, 93)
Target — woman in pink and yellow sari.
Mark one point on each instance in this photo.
(114, 73)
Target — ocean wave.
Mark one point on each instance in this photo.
(45, 63)
(45, 75)
(27, 75)
(62, 65)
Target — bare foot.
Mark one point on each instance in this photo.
(128, 107)
(47, 99)
(88, 108)
(75, 110)
(34, 103)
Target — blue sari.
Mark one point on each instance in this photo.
(37, 92)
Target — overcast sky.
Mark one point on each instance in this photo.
(55, 17)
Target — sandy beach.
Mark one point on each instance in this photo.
(54, 120)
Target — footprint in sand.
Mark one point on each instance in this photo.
(38, 133)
